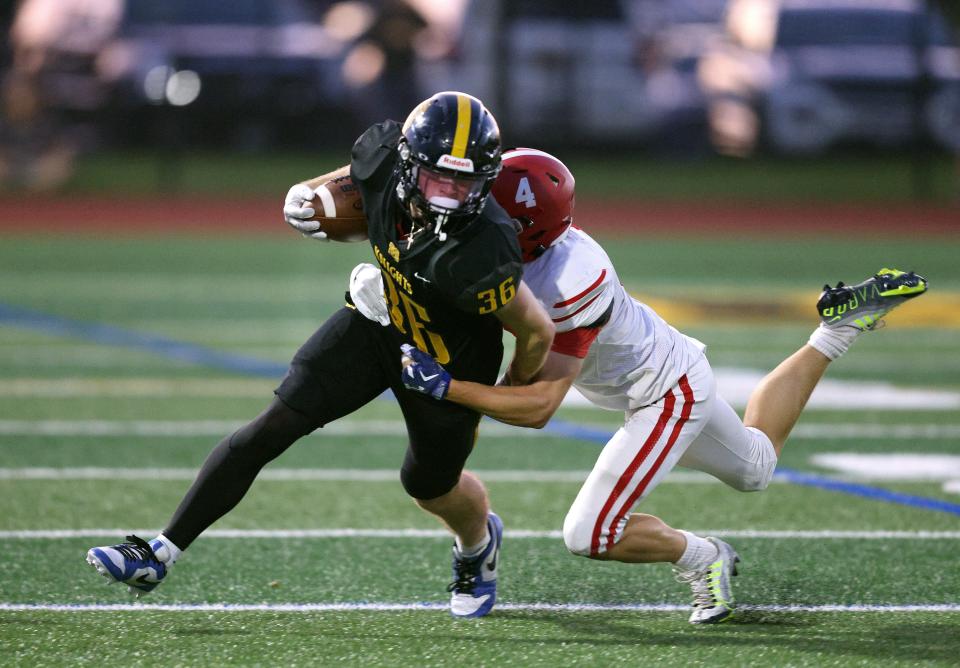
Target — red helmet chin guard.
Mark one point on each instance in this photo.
(537, 190)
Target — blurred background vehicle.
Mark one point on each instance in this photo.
(246, 68)
(800, 76)
(256, 64)
(554, 69)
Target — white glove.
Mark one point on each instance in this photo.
(366, 291)
(297, 209)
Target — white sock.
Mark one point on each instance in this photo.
(165, 550)
(833, 342)
(473, 550)
(699, 554)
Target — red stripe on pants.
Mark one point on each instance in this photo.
(665, 415)
(682, 420)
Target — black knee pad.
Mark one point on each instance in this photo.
(427, 484)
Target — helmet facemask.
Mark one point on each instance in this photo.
(441, 200)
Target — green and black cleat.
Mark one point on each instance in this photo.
(862, 305)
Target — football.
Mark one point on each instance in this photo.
(339, 210)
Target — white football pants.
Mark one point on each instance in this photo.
(690, 426)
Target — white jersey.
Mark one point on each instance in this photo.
(637, 357)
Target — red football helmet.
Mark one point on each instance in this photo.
(536, 189)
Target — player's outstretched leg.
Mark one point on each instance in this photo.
(473, 591)
(135, 563)
(846, 312)
(713, 599)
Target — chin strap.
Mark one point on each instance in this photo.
(441, 235)
(417, 228)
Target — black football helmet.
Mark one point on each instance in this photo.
(449, 157)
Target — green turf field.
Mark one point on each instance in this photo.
(104, 421)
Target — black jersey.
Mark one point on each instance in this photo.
(441, 295)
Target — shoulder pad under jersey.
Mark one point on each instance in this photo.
(574, 281)
(481, 273)
(374, 149)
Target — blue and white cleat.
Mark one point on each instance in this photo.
(134, 563)
(474, 587)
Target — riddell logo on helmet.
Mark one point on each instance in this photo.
(459, 164)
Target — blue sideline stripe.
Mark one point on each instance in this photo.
(866, 491)
(116, 336)
(200, 355)
(571, 430)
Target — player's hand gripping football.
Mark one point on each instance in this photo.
(298, 208)
(366, 292)
(421, 373)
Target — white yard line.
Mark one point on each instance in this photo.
(488, 429)
(192, 428)
(865, 431)
(332, 475)
(439, 607)
(56, 534)
(527, 476)
(136, 387)
(186, 288)
(735, 384)
(686, 477)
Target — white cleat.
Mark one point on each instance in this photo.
(713, 599)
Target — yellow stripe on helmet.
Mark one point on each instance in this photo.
(462, 134)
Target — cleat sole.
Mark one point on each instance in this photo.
(100, 568)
